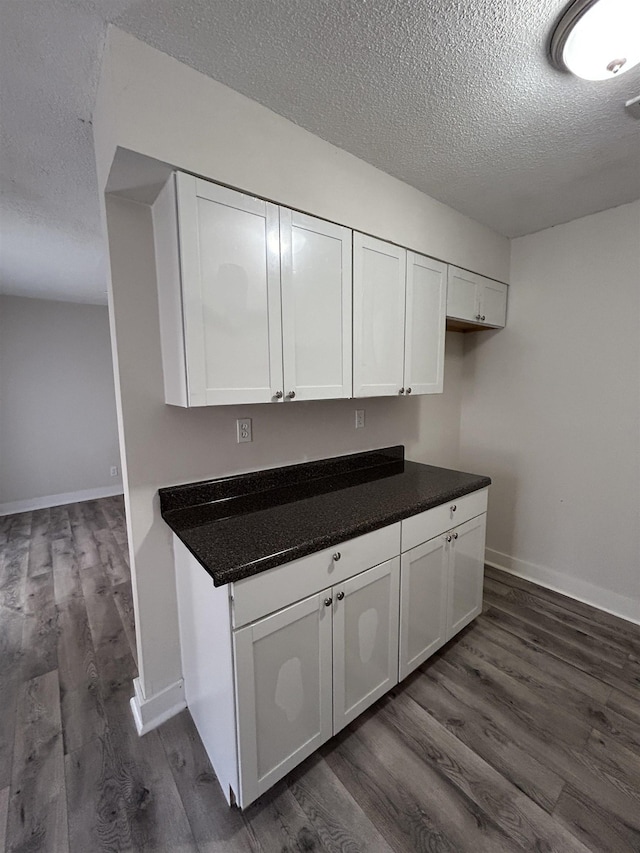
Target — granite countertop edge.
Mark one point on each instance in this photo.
(375, 521)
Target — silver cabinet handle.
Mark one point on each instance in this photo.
(401, 391)
(455, 535)
(454, 508)
(291, 395)
(449, 538)
(478, 317)
(408, 390)
(328, 602)
(278, 395)
(483, 317)
(337, 556)
(340, 596)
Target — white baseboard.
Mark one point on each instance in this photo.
(60, 500)
(611, 602)
(149, 713)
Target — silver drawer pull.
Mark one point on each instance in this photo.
(336, 556)
(328, 602)
(454, 508)
(340, 596)
(449, 537)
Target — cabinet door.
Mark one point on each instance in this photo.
(230, 260)
(365, 640)
(316, 307)
(493, 308)
(379, 270)
(423, 602)
(463, 295)
(466, 574)
(283, 692)
(425, 325)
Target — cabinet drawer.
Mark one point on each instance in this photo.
(268, 591)
(433, 522)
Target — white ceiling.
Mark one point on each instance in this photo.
(455, 97)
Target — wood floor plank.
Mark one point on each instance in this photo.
(40, 543)
(562, 629)
(146, 792)
(216, 827)
(60, 526)
(4, 807)
(82, 710)
(521, 694)
(563, 671)
(549, 687)
(336, 817)
(489, 739)
(112, 557)
(40, 627)
(84, 543)
(527, 824)
(571, 605)
(37, 816)
(624, 640)
(123, 598)
(66, 573)
(625, 705)
(412, 809)
(11, 624)
(575, 765)
(570, 652)
(278, 822)
(599, 830)
(14, 562)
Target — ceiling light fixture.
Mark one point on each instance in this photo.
(597, 39)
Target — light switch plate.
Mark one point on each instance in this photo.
(359, 418)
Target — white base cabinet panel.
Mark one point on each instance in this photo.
(269, 679)
(283, 689)
(365, 640)
(466, 574)
(424, 599)
(440, 590)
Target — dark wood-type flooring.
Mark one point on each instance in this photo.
(523, 733)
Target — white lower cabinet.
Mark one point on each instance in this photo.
(466, 574)
(283, 690)
(423, 603)
(365, 640)
(440, 590)
(306, 671)
(277, 663)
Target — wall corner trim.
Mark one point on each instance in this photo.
(149, 713)
(611, 602)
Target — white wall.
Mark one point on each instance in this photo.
(551, 411)
(152, 105)
(58, 432)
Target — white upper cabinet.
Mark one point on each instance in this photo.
(379, 273)
(254, 299)
(316, 307)
(399, 301)
(425, 325)
(474, 299)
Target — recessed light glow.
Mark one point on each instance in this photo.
(598, 40)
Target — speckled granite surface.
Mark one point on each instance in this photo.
(239, 526)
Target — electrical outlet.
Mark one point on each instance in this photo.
(359, 418)
(114, 470)
(243, 427)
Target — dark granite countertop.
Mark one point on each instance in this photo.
(239, 526)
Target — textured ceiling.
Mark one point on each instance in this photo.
(453, 96)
